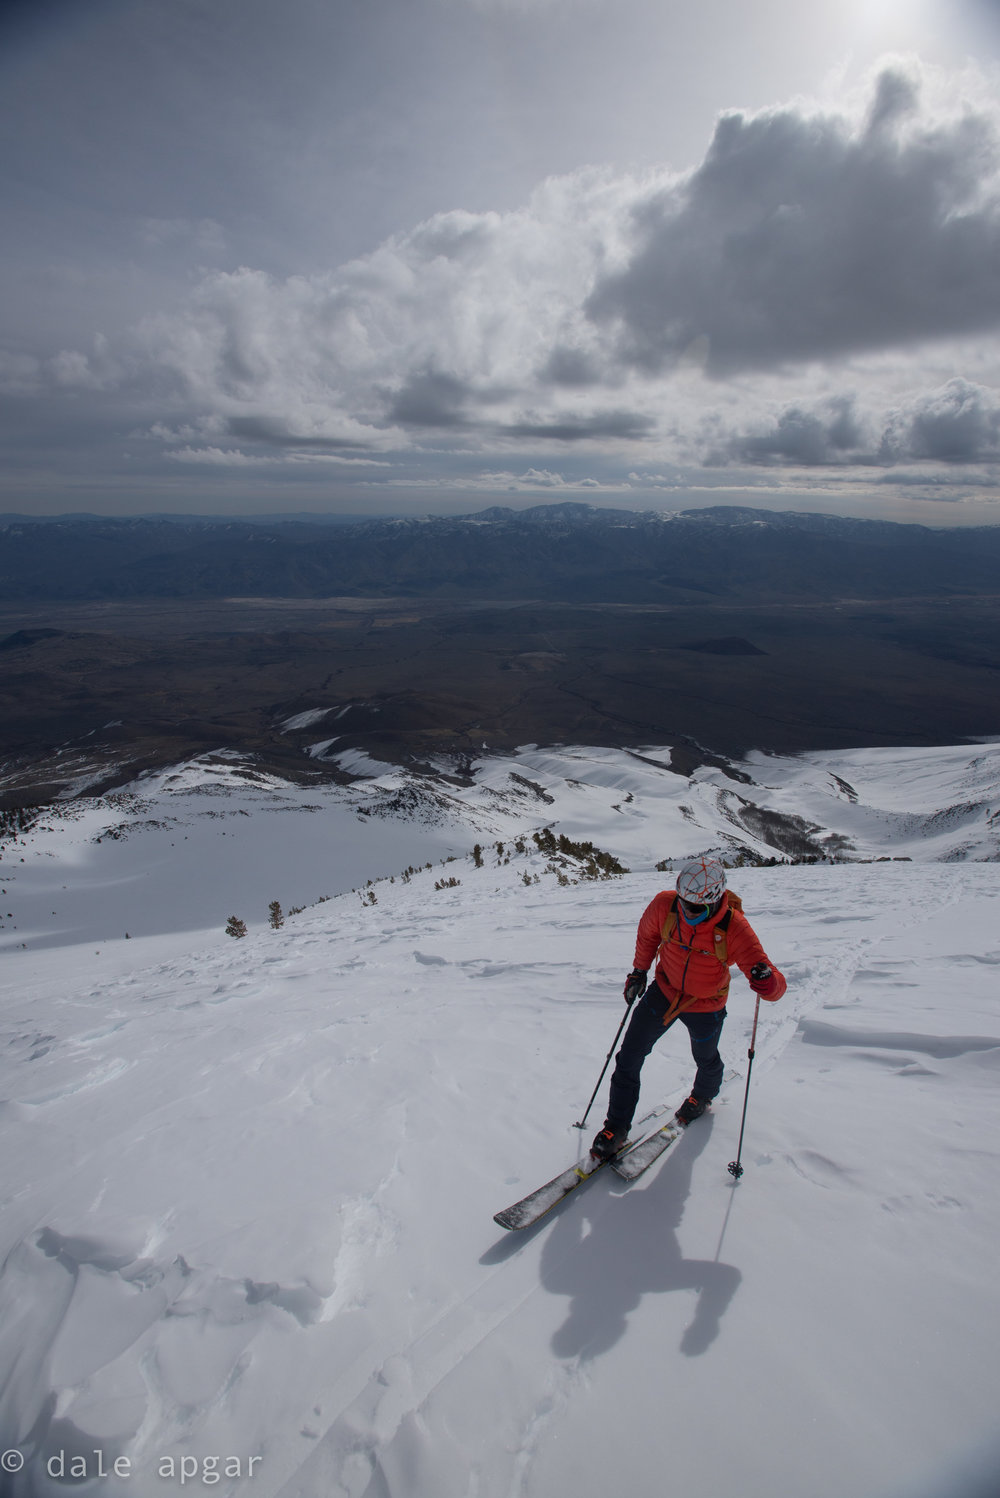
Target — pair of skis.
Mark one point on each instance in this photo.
(629, 1163)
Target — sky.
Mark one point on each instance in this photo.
(425, 256)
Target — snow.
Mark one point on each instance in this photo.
(183, 849)
(305, 720)
(248, 1185)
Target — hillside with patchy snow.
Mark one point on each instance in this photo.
(185, 848)
(248, 1185)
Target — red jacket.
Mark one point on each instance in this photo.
(686, 964)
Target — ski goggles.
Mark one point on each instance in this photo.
(694, 912)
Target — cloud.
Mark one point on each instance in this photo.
(234, 457)
(531, 481)
(276, 432)
(774, 308)
(959, 423)
(801, 437)
(217, 457)
(570, 427)
(804, 235)
(429, 399)
(74, 369)
(542, 478)
(446, 329)
(570, 366)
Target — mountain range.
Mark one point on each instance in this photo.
(563, 552)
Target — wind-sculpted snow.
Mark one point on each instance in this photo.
(248, 1185)
(815, 1032)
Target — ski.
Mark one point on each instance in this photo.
(629, 1163)
(535, 1205)
(632, 1162)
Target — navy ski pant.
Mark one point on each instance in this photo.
(645, 1028)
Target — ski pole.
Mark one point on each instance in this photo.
(735, 1168)
(583, 1121)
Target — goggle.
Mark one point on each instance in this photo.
(699, 910)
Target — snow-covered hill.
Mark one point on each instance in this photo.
(248, 1185)
(185, 848)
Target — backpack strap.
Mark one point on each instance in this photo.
(721, 951)
(670, 924)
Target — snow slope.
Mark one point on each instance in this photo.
(186, 848)
(248, 1186)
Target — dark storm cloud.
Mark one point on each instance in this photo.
(801, 238)
(570, 366)
(436, 400)
(799, 437)
(429, 399)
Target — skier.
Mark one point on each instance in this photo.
(696, 932)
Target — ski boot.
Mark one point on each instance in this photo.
(691, 1108)
(609, 1142)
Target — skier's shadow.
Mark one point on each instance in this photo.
(632, 1250)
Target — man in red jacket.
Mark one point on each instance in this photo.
(696, 932)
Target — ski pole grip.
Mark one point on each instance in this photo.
(635, 986)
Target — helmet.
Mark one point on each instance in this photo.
(701, 881)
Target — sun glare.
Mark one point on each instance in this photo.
(895, 23)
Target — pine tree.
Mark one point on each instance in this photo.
(275, 916)
(236, 927)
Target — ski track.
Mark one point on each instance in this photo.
(385, 1415)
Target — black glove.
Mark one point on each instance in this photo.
(635, 985)
(763, 981)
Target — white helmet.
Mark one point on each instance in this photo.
(701, 881)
